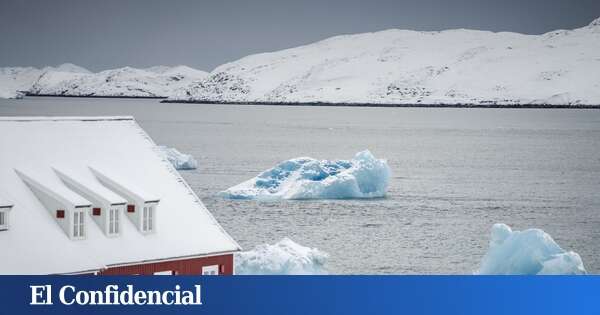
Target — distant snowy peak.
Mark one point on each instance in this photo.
(177, 70)
(595, 23)
(409, 67)
(67, 67)
(186, 71)
(159, 81)
(14, 81)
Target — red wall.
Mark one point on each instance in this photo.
(191, 266)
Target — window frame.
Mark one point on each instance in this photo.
(78, 224)
(148, 218)
(4, 220)
(164, 273)
(211, 270)
(113, 221)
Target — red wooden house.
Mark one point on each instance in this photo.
(93, 195)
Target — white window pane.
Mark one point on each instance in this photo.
(150, 218)
(164, 273)
(116, 221)
(75, 224)
(210, 270)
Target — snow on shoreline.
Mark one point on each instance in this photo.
(407, 67)
(72, 80)
(180, 161)
(528, 252)
(282, 258)
(306, 178)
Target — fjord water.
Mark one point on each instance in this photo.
(455, 172)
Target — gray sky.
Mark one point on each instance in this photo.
(102, 34)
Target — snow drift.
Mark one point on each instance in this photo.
(282, 258)
(528, 252)
(71, 80)
(306, 178)
(179, 160)
(460, 66)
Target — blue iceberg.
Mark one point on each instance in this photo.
(306, 178)
(528, 252)
(180, 161)
(282, 258)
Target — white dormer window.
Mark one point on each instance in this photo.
(147, 218)
(78, 223)
(3, 220)
(113, 221)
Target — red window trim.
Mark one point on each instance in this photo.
(130, 208)
(96, 211)
(60, 214)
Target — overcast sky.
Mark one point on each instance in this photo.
(102, 34)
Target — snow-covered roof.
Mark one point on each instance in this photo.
(39, 148)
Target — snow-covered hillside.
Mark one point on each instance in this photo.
(14, 81)
(126, 82)
(407, 67)
(72, 80)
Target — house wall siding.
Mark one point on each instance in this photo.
(192, 266)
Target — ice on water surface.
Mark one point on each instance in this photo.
(180, 161)
(282, 258)
(306, 178)
(527, 252)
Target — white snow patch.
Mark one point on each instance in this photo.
(180, 161)
(282, 258)
(527, 252)
(306, 178)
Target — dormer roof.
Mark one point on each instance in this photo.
(88, 184)
(122, 185)
(54, 189)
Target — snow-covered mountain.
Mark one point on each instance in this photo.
(125, 82)
(72, 80)
(14, 81)
(407, 67)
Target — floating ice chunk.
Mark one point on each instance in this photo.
(306, 178)
(282, 258)
(527, 252)
(179, 160)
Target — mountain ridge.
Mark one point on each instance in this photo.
(450, 67)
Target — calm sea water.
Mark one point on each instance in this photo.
(455, 173)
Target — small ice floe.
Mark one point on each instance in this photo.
(179, 160)
(282, 258)
(306, 178)
(528, 252)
